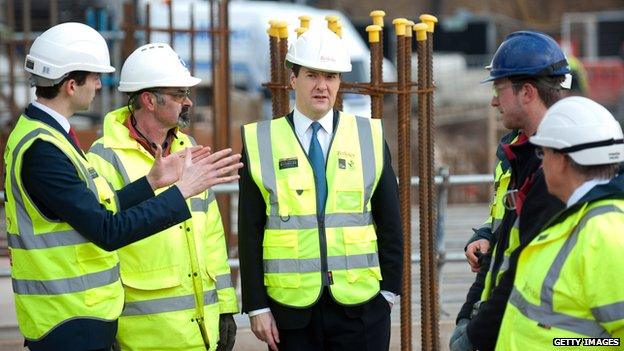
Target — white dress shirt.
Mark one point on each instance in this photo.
(303, 128)
(62, 120)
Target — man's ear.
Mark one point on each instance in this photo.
(147, 100)
(529, 92)
(292, 79)
(69, 87)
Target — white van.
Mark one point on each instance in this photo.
(249, 42)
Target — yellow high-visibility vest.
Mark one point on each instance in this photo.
(57, 273)
(302, 248)
(568, 281)
(177, 281)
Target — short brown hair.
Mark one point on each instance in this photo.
(51, 92)
(548, 88)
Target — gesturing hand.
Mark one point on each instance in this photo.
(167, 170)
(208, 171)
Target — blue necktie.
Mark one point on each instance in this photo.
(318, 166)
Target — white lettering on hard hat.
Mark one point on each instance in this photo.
(182, 62)
(328, 58)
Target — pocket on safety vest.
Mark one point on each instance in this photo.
(280, 244)
(93, 260)
(348, 200)
(156, 279)
(361, 253)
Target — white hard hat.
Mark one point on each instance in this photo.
(321, 50)
(154, 65)
(583, 129)
(65, 48)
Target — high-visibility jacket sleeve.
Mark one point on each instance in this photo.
(602, 244)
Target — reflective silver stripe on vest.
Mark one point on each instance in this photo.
(108, 155)
(201, 205)
(495, 224)
(367, 151)
(224, 281)
(310, 265)
(167, 304)
(66, 285)
(332, 220)
(504, 265)
(609, 313)
(27, 239)
(43, 241)
(544, 313)
(265, 151)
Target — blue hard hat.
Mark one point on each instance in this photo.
(528, 53)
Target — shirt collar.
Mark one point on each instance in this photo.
(584, 189)
(303, 122)
(62, 120)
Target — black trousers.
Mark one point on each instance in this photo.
(337, 328)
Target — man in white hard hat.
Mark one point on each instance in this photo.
(569, 282)
(178, 289)
(63, 219)
(320, 240)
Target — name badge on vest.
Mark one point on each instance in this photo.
(288, 163)
(92, 173)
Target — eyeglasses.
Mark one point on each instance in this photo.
(497, 89)
(539, 152)
(178, 95)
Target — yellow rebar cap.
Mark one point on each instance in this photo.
(332, 22)
(378, 17)
(399, 25)
(282, 28)
(273, 31)
(300, 31)
(304, 21)
(408, 28)
(430, 20)
(339, 28)
(421, 31)
(373, 33)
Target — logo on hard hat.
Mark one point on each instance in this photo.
(182, 62)
(328, 58)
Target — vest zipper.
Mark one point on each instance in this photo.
(326, 275)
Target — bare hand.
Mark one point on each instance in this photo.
(481, 245)
(264, 327)
(209, 171)
(167, 170)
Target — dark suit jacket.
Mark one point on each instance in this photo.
(53, 184)
(251, 222)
